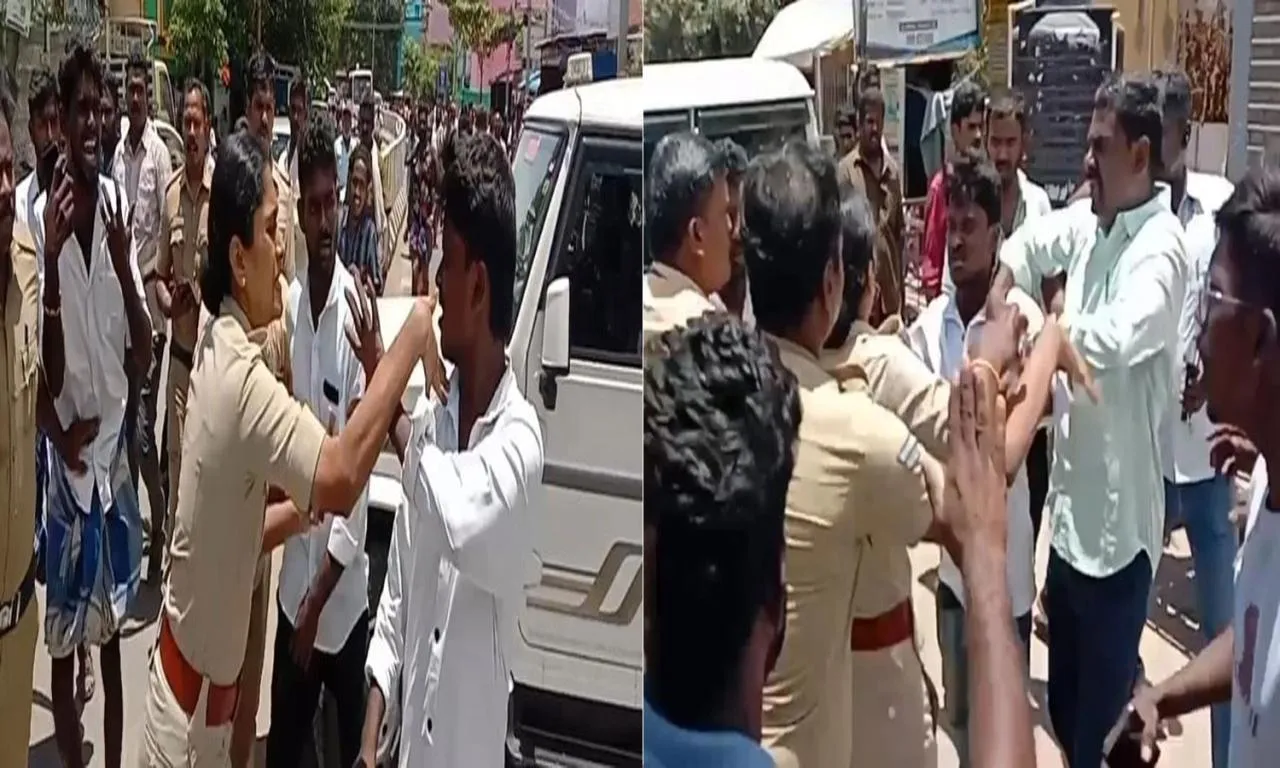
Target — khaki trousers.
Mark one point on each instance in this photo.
(891, 720)
(170, 739)
(245, 732)
(17, 664)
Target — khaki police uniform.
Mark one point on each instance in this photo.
(671, 299)
(245, 433)
(863, 490)
(897, 380)
(274, 340)
(184, 244)
(19, 613)
(286, 218)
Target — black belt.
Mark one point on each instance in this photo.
(13, 609)
(184, 356)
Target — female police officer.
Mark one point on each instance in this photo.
(244, 432)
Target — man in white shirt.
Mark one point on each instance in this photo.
(1240, 352)
(440, 659)
(367, 137)
(42, 126)
(322, 628)
(93, 324)
(944, 336)
(142, 169)
(343, 145)
(1125, 265)
(1196, 495)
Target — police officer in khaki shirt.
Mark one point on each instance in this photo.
(687, 205)
(19, 357)
(183, 243)
(863, 490)
(244, 433)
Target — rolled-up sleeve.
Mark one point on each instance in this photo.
(480, 499)
(1142, 318)
(280, 435)
(344, 545)
(1043, 248)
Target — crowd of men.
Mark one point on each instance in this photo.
(1110, 362)
(256, 287)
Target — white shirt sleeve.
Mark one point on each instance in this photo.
(385, 660)
(1143, 317)
(479, 500)
(1041, 249)
(343, 544)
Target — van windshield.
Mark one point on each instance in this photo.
(535, 167)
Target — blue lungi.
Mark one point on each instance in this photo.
(93, 557)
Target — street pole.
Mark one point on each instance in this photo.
(624, 13)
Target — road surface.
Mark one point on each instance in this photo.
(1170, 637)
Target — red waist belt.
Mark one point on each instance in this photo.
(185, 682)
(886, 630)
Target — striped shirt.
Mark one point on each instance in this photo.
(358, 247)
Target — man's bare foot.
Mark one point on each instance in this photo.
(86, 681)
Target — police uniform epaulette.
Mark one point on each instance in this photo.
(175, 178)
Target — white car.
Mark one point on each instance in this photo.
(576, 351)
(279, 137)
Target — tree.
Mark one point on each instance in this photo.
(682, 30)
(421, 68)
(473, 23)
(196, 34)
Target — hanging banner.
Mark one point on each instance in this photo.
(902, 31)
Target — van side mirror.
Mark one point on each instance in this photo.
(555, 341)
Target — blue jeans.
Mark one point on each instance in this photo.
(1093, 652)
(955, 665)
(1204, 508)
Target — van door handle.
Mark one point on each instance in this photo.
(549, 387)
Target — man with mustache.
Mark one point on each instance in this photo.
(142, 168)
(1125, 260)
(968, 113)
(322, 625)
(42, 126)
(19, 617)
(184, 240)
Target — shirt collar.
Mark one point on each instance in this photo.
(860, 159)
(673, 279)
(331, 299)
(670, 745)
(807, 369)
(1133, 219)
(231, 308)
(206, 180)
(497, 404)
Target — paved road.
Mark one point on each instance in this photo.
(1170, 637)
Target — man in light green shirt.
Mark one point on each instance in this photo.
(1125, 264)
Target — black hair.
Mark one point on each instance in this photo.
(80, 63)
(1135, 99)
(790, 231)
(478, 196)
(238, 188)
(846, 117)
(367, 103)
(298, 88)
(193, 84)
(316, 155)
(869, 98)
(361, 153)
(721, 418)
(111, 87)
(857, 243)
(1004, 104)
(1175, 101)
(967, 100)
(262, 72)
(1249, 223)
(972, 178)
(42, 90)
(733, 159)
(138, 65)
(682, 171)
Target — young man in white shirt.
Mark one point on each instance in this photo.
(322, 628)
(1240, 351)
(1196, 495)
(945, 336)
(94, 323)
(142, 169)
(440, 659)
